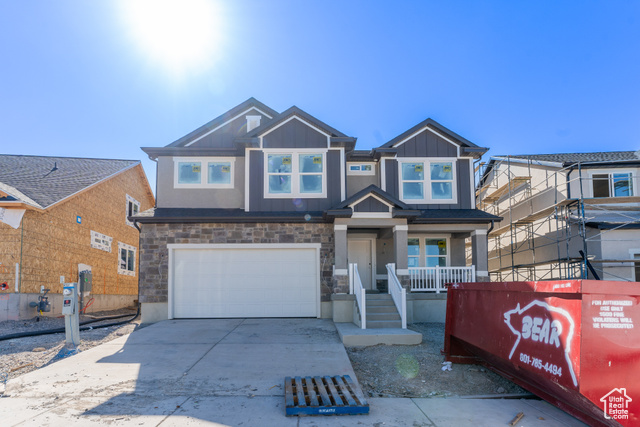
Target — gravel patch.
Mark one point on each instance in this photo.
(416, 370)
(21, 355)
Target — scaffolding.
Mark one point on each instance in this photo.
(549, 212)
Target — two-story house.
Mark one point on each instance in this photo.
(566, 215)
(260, 213)
(60, 216)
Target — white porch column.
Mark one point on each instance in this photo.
(401, 253)
(480, 254)
(340, 242)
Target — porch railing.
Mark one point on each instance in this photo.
(433, 279)
(398, 293)
(355, 285)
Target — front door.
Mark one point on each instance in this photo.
(360, 252)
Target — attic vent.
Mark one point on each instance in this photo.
(253, 122)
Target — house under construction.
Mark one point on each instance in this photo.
(574, 215)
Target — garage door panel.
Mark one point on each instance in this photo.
(238, 282)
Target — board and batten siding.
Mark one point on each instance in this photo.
(257, 202)
(463, 183)
(294, 134)
(427, 144)
(371, 204)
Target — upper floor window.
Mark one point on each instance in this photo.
(295, 174)
(361, 168)
(203, 172)
(614, 184)
(427, 181)
(133, 207)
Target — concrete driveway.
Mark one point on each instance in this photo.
(219, 372)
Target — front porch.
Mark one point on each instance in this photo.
(410, 264)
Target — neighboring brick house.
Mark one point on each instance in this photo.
(259, 214)
(62, 214)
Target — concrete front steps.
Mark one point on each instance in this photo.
(382, 312)
(384, 326)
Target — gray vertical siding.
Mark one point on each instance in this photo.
(371, 205)
(463, 182)
(258, 203)
(294, 134)
(391, 177)
(427, 144)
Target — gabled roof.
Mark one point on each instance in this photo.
(438, 129)
(567, 159)
(373, 189)
(41, 181)
(345, 210)
(295, 111)
(213, 124)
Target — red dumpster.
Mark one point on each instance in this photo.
(574, 343)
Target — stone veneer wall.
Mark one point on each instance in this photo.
(154, 255)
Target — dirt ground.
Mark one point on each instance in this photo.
(19, 356)
(416, 370)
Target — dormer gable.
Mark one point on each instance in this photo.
(372, 202)
(295, 128)
(221, 131)
(430, 139)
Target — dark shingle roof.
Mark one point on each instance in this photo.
(570, 158)
(42, 181)
(456, 215)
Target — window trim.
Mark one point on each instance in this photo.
(422, 256)
(634, 254)
(204, 171)
(361, 172)
(426, 181)
(610, 173)
(295, 173)
(130, 199)
(128, 248)
(101, 241)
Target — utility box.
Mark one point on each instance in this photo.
(85, 279)
(574, 343)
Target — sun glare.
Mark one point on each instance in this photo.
(183, 35)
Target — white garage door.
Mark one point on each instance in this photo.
(232, 281)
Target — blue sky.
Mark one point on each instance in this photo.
(519, 77)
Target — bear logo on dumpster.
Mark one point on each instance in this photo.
(541, 325)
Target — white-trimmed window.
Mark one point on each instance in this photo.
(427, 180)
(428, 251)
(299, 174)
(133, 207)
(366, 168)
(203, 172)
(126, 259)
(101, 241)
(612, 184)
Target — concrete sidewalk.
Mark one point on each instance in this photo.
(225, 372)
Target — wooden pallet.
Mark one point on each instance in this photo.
(327, 395)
